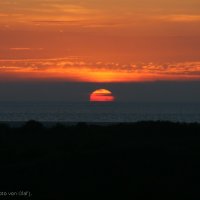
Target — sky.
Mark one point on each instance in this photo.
(99, 41)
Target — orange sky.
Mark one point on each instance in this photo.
(100, 40)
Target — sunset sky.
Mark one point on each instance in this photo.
(99, 40)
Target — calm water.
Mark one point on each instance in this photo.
(99, 112)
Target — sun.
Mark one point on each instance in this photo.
(102, 95)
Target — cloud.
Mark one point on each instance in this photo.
(80, 69)
(25, 49)
(56, 21)
(50, 12)
(180, 18)
(20, 49)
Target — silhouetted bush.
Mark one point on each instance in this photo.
(33, 126)
(4, 128)
(142, 158)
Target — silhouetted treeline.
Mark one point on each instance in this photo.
(145, 158)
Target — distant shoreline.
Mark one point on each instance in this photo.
(53, 123)
(49, 124)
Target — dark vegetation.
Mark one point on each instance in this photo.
(144, 158)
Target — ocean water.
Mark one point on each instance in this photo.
(99, 112)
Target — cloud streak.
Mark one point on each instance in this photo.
(180, 18)
(25, 49)
(77, 69)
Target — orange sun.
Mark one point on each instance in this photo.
(102, 95)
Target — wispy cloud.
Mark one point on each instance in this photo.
(20, 49)
(180, 18)
(75, 69)
(56, 21)
(25, 49)
(49, 12)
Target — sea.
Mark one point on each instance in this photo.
(104, 112)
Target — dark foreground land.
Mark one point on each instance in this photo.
(145, 158)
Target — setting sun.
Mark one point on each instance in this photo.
(101, 95)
